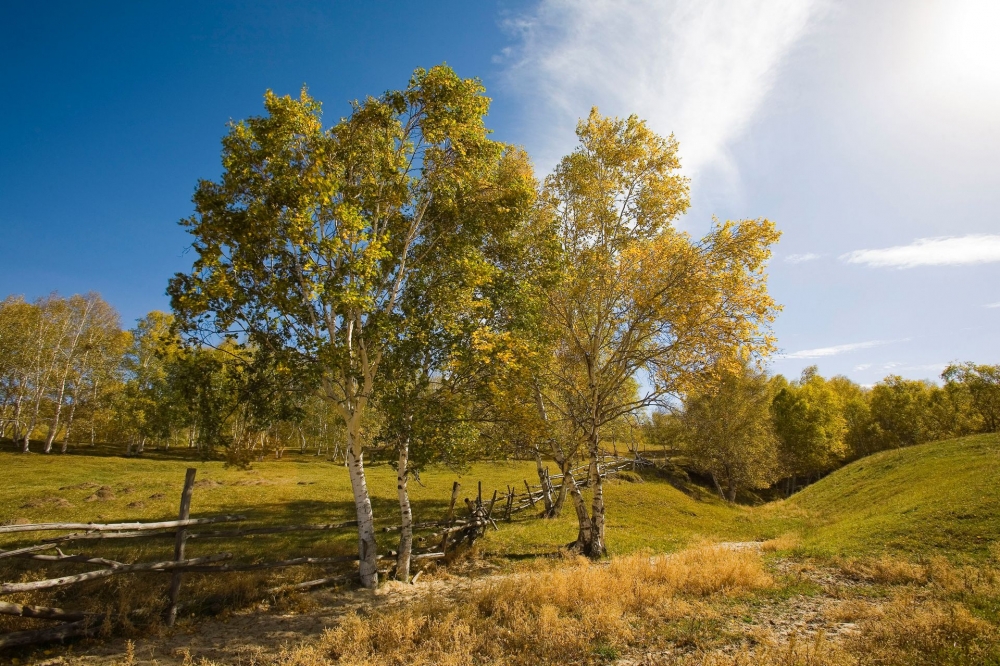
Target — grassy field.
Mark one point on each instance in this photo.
(940, 497)
(886, 520)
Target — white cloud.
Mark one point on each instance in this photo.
(942, 251)
(698, 69)
(992, 305)
(863, 366)
(800, 258)
(839, 349)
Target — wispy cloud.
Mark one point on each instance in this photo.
(700, 70)
(800, 258)
(992, 305)
(942, 251)
(821, 352)
(863, 366)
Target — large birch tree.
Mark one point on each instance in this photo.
(306, 245)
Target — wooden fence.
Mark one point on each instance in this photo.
(448, 533)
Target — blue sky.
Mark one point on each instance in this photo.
(867, 131)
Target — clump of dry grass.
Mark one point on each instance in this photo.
(885, 570)
(909, 631)
(785, 542)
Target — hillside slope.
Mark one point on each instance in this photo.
(941, 496)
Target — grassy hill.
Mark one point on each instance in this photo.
(941, 497)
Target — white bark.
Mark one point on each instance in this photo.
(367, 553)
(406, 515)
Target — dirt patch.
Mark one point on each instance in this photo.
(81, 486)
(17, 521)
(254, 482)
(136, 505)
(103, 494)
(126, 490)
(156, 496)
(207, 483)
(57, 502)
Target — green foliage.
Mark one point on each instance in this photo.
(809, 424)
(729, 433)
(982, 384)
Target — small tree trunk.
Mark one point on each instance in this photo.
(596, 546)
(718, 487)
(405, 513)
(586, 527)
(560, 500)
(367, 553)
(69, 424)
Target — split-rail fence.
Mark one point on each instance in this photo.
(449, 533)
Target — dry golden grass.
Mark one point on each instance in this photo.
(581, 613)
(784, 543)
(707, 606)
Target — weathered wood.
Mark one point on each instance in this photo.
(489, 509)
(19, 552)
(41, 612)
(272, 530)
(184, 514)
(62, 557)
(530, 497)
(216, 534)
(449, 517)
(57, 633)
(118, 527)
(200, 568)
(10, 588)
(309, 584)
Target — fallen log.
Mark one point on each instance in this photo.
(41, 612)
(60, 632)
(10, 588)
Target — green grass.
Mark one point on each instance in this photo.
(936, 498)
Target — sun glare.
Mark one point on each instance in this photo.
(956, 50)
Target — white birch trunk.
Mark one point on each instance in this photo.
(54, 425)
(586, 527)
(69, 423)
(405, 513)
(596, 548)
(367, 553)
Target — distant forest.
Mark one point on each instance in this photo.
(70, 375)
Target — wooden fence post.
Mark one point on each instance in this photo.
(450, 516)
(185, 513)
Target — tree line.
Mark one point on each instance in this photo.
(752, 432)
(401, 285)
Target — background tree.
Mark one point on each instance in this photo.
(982, 382)
(729, 434)
(809, 424)
(639, 298)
